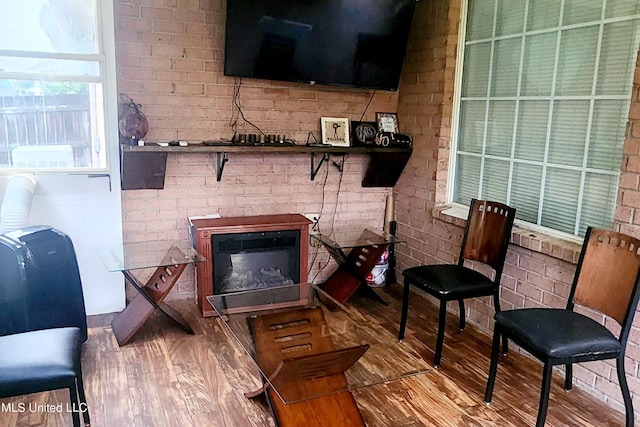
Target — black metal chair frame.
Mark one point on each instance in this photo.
(63, 370)
(471, 249)
(623, 315)
(44, 323)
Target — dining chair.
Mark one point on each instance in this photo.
(485, 241)
(605, 282)
(42, 317)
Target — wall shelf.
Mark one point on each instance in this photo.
(143, 167)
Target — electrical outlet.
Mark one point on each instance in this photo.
(315, 217)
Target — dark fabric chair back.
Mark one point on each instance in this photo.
(42, 317)
(41, 286)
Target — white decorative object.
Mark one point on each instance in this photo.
(335, 131)
(16, 203)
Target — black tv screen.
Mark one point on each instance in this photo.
(359, 43)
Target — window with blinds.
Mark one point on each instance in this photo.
(543, 105)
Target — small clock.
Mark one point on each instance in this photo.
(364, 133)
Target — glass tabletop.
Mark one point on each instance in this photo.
(307, 345)
(133, 256)
(353, 237)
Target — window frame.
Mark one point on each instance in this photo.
(106, 60)
(458, 209)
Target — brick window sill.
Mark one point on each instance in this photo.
(533, 240)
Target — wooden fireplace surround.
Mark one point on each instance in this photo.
(203, 229)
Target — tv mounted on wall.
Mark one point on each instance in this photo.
(357, 43)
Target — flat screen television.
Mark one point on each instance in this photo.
(357, 43)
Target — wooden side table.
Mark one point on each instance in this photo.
(169, 261)
(356, 251)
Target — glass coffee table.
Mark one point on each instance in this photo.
(307, 345)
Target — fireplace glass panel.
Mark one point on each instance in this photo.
(259, 260)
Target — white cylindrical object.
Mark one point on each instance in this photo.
(388, 212)
(16, 203)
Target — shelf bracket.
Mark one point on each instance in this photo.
(316, 169)
(221, 160)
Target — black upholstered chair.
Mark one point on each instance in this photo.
(486, 239)
(606, 281)
(43, 321)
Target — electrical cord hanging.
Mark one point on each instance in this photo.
(367, 106)
(316, 226)
(236, 109)
(340, 167)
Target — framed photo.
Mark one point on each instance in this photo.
(387, 122)
(335, 131)
(363, 133)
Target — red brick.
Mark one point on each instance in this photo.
(262, 183)
(631, 199)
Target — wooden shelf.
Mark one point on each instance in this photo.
(143, 167)
(266, 148)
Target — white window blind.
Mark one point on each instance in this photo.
(543, 105)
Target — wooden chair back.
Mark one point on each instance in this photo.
(607, 273)
(487, 234)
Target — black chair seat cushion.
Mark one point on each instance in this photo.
(38, 360)
(558, 333)
(449, 281)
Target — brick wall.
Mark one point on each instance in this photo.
(539, 269)
(628, 208)
(170, 60)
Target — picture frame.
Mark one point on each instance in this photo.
(387, 122)
(335, 131)
(363, 133)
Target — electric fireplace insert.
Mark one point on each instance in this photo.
(250, 253)
(257, 260)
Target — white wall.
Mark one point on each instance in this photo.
(89, 211)
(88, 207)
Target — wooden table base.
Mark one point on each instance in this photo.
(295, 348)
(149, 299)
(352, 271)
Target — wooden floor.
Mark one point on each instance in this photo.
(167, 378)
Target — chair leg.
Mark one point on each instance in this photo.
(83, 400)
(624, 387)
(73, 397)
(496, 305)
(505, 345)
(568, 376)
(442, 317)
(493, 367)
(405, 310)
(544, 395)
(462, 314)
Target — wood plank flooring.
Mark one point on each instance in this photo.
(166, 378)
